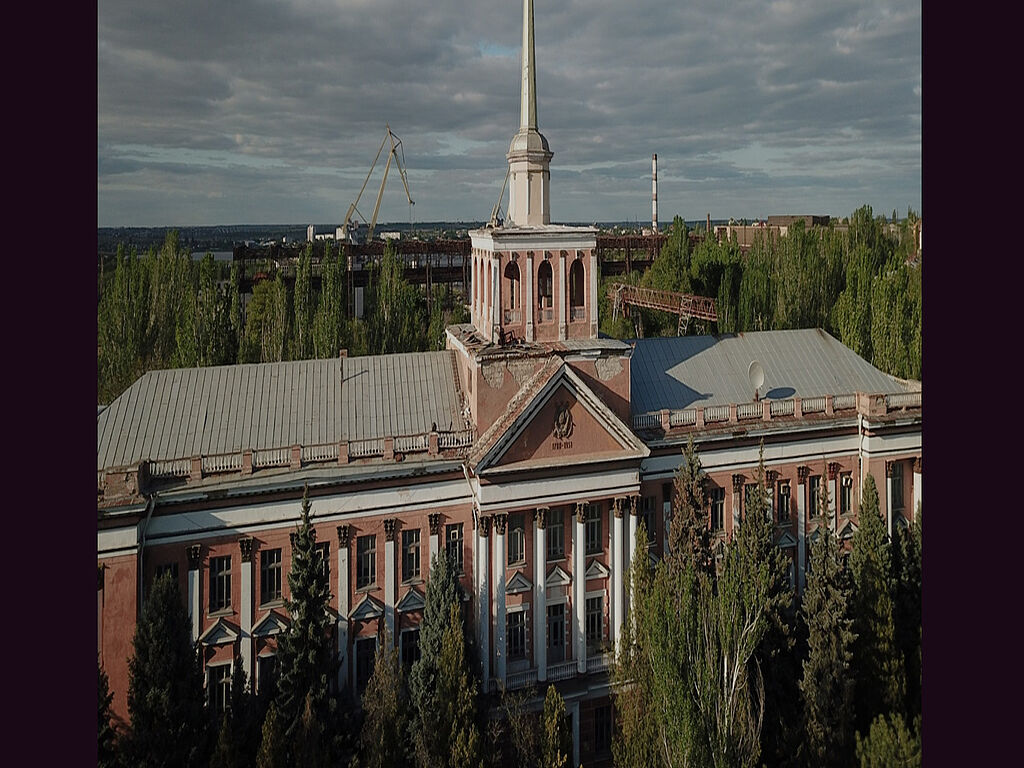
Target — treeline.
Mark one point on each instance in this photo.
(165, 310)
(858, 284)
(720, 665)
(428, 714)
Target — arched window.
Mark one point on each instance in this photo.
(513, 304)
(544, 292)
(576, 291)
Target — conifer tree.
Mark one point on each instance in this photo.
(890, 743)
(273, 752)
(556, 739)
(459, 736)
(304, 657)
(235, 746)
(165, 690)
(907, 610)
(690, 535)
(385, 704)
(827, 685)
(107, 735)
(879, 672)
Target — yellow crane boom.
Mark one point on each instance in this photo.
(396, 144)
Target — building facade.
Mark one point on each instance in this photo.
(530, 449)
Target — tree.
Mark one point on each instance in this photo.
(880, 680)
(304, 657)
(394, 324)
(273, 751)
(385, 704)
(459, 735)
(165, 689)
(907, 609)
(827, 685)
(556, 739)
(690, 535)
(107, 735)
(304, 307)
(329, 320)
(890, 743)
(266, 323)
(517, 730)
(123, 327)
(236, 744)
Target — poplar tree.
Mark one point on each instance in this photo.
(556, 738)
(304, 656)
(880, 681)
(123, 326)
(459, 736)
(303, 305)
(329, 320)
(166, 702)
(827, 685)
(394, 324)
(385, 704)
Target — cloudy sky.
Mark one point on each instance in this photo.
(271, 111)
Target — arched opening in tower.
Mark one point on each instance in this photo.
(544, 292)
(513, 302)
(576, 292)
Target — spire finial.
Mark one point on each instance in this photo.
(528, 98)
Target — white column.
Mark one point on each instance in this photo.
(194, 609)
(500, 521)
(618, 571)
(495, 298)
(434, 519)
(483, 590)
(529, 309)
(574, 709)
(245, 545)
(833, 498)
(889, 485)
(540, 607)
(562, 296)
(737, 499)
(343, 605)
(592, 298)
(917, 485)
(390, 585)
(579, 581)
(801, 524)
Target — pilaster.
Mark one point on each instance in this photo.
(737, 502)
(434, 520)
(530, 309)
(245, 545)
(802, 472)
(500, 651)
(390, 584)
(344, 534)
(563, 298)
(917, 486)
(833, 495)
(618, 570)
(484, 610)
(579, 582)
(194, 581)
(540, 608)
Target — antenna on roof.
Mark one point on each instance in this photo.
(756, 375)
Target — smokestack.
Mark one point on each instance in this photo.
(654, 192)
(709, 224)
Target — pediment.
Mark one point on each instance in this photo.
(653, 560)
(555, 420)
(220, 632)
(597, 570)
(848, 530)
(786, 540)
(413, 600)
(370, 608)
(271, 624)
(557, 577)
(518, 583)
(814, 535)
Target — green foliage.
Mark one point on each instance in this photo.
(907, 609)
(827, 685)
(385, 704)
(690, 536)
(459, 736)
(123, 327)
(236, 741)
(266, 323)
(896, 321)
(394, 323)
(304, 307)
(273, 752)
(107, 735)
(890, 744)
(171, 281)
(556, 739)
(304, 657)
(329, 319)
(166, 703)
(879, 670)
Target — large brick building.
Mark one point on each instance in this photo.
(530, 449)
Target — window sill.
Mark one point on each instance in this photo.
(220, 612)
(275, 603)
(410, 582)
(368, 588)
(516, 564)
(559, 559)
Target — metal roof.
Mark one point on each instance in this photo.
(678, 372)
(224, 409)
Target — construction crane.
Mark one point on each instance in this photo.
(685, 305)
(396, 144)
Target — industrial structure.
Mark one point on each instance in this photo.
(530, 449)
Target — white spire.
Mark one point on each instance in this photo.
(528, 96)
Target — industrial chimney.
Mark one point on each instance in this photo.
(654, 192)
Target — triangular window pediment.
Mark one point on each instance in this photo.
(367, 610)
(848, 530)
(597, 570)
(271, 624)
(220, 633)
(518, 583)
(653, 560)
(814, 536)
(786, 540)
(412, 601)
(557, 577)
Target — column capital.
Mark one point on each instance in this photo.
(890, 468)
(389, 529)
(771, 476)
(485, 525)
(500, 523)
(917, 464)
(618, 506)
(634, 505)
(344, 534)
(245, 545)
(434, 519)
(737, 483)
(833, 470)
(581, 512)
(802, 472)
(193, 551)
(540, 514)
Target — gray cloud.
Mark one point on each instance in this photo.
(272, 110)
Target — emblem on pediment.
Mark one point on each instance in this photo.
(563, 422)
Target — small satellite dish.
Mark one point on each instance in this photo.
(756, 375)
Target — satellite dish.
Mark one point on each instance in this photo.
(756, 375)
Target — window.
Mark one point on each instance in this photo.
(595, 620)
(410, 646)
(323, 552)
(576, 290)
(603, 729)
(266, 671)
(171, 568)
(718, 509)
(556, 534)
(515, 642)
(270, 575)
(453, 543)
(813, 494)
(845, 493)
(556, 632)
(366, 561)
(647, 515)
(411, 554)
(544, 290)
(516, 539)
(784, 505)
(667, 493)
(366, 650)
(593, 529)
(897, 485)
(220, 583)
(218, 688)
